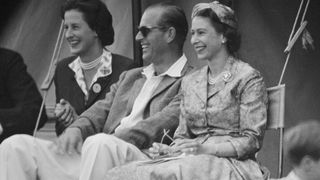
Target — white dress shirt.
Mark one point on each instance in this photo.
(105, 69)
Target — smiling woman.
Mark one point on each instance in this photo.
(86, 77)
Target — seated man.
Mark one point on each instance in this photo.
(85, 78)
(302, 147)
(20, 99)
(136, 110)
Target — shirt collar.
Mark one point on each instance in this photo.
(175, 70)
(105, 68)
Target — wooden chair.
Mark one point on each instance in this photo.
(275, 117)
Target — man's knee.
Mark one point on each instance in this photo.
(16, 141)
(101, 139)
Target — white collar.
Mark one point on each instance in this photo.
(105, 69)
(175, 70)
(292, 176)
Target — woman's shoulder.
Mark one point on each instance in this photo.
(194, 77)
(196, 73)
(121, 57)
(242, 69)
(247, 76)
(122, 62)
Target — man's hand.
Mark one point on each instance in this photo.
(65, 113)
(1, 129)
(70, 141)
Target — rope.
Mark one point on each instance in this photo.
(291, 39)
(47, 83)
(40, 113)
(295, 21)
(305, 11)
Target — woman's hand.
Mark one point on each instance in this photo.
(159, 149)
(188, 146)
(65, 113)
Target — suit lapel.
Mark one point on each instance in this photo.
(225, 77)
(136, 88)
(218, 86)
(200, 86)
(167, 80)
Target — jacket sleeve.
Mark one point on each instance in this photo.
(253, 115)
(25, 98)
(93, 119)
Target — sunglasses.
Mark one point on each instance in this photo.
(145, 30)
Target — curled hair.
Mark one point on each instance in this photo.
(96, 15)
(232, 34)
(173, 16)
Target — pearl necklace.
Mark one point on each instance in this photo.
(212, 80)
(90, 65)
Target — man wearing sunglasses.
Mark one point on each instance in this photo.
(149, 95)
(139, 108)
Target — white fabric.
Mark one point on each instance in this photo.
(1, 129)
(291, 176)
(105, 69)
(147, 91)
(23, 157)
(102, 152)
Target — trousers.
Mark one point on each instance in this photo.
(24, 157)
(103, 152)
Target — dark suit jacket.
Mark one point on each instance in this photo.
(68, 88)
(162, 111)
(20, 99)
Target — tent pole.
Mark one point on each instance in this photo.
(136, 15)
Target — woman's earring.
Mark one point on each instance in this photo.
(223, 41)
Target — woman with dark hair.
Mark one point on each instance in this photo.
(83, 79)
(80, 81)
(223, 111)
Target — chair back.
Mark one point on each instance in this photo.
(276, 97)
(275, 117)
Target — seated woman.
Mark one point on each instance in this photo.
(83, 79)
(223, 111)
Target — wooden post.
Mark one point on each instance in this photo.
(136, 15)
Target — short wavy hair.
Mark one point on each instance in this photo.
(96, 14)
(231, 33)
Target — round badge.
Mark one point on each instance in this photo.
(96, 88)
